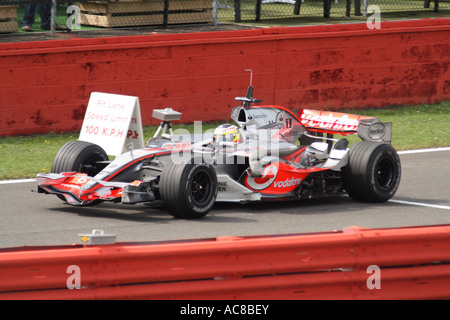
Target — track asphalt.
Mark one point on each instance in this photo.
(423, 198)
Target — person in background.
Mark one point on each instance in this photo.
(44, 11)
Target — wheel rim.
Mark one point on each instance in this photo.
(201, 187)
(90, 166)
(385, 174)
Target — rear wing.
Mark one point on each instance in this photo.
(368, 128)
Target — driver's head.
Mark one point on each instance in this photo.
(227, 133)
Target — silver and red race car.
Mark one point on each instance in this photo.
(272, 153)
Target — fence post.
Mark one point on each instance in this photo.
(365, 5)
(326, 8)
(237, 11)
(258, 10)
(215, 12)
(166, 13)
(297, 6)
(53, 18)
(436, 6)
(357, 7)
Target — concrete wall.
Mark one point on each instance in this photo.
(45, 86)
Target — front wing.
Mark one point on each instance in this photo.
(79, 188)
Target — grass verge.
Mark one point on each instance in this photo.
(414, 127)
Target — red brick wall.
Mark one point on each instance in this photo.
(45, 86)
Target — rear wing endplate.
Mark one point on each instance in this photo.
(375, 130)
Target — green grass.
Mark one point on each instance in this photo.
(414, 127)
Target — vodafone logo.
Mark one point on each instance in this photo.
(326, 120)
(268, 176)
(287, 183)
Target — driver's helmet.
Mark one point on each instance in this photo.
(227, 133)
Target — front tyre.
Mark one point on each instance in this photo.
(373, 172)
(79, 156)
(188, 190)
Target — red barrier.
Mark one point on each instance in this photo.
(45, 86)
(413, 264)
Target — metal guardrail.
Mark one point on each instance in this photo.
(355, 263)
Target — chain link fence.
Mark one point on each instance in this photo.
(19, 16)
(252, 10)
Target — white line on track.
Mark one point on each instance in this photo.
(17, 181)
(421, 204)
(423, 150)
(399, 152)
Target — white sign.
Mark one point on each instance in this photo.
(113, 122)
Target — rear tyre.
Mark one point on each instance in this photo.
(373, 172)
(188, 190)
(79, 156)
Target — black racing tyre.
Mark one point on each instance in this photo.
(373, 172)
(188, 190)
(79, 156)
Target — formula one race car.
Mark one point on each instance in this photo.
(272, 154)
